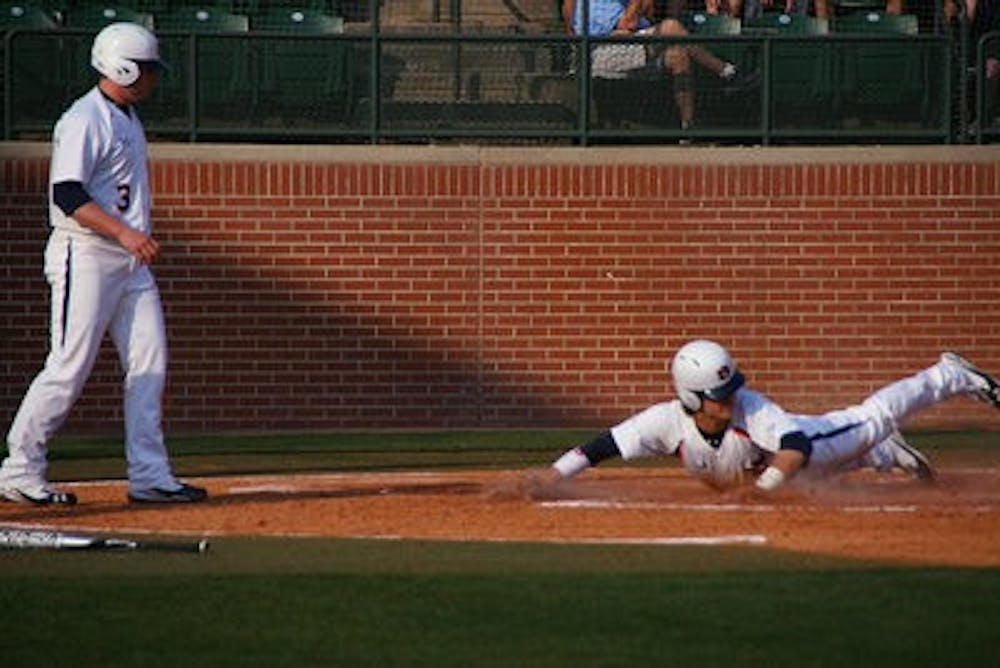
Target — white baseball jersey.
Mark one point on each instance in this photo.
(104, 147)
(666, 429)
(839, 437)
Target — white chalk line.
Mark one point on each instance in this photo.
(599, 504)
(667, 541)
(663, 541)
(714, 507)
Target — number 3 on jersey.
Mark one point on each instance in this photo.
(124, 197)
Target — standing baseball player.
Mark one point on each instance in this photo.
(724, 432)
(97, 265)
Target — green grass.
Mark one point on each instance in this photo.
(101, 457)
(306, 602)
(82, 458)
(337, 602)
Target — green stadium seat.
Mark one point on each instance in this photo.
(715, 107)
(700, 23)
(297, 20)
(882, 79)
(25, 16)
(843, 7)
(203, 18)
(154, 7)
(876, 22)
(719, 25)
(309, 79)
(96, 16)
(38, 82)
(223, 60)
(802, 90)
(774, 23)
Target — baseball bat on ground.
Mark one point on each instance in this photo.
(11, 538)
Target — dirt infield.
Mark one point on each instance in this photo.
(954, 522)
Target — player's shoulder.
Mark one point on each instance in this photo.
(664, 410)
(754, 400)
(85, 110)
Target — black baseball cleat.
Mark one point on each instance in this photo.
(39, 497)
(910, 459)
(183, 494)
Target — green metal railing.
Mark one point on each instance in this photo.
(395, 87)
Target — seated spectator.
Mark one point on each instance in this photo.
(981, 18)
(636, 17)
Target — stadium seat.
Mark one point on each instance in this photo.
(154, 7)
(876, 22)
(802, 90)
(716, 105)
(203, 18)
(19, 15)
(96, 16)
(307, 79)
(223, 60)
(776, 23)
(36, 63)
(297, 20)
(25, 16)
(700, 23)
(842, 7)
(882, 79)
(719, 25)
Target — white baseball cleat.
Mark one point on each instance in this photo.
(910, 459)
(989, 387)
(40, 496)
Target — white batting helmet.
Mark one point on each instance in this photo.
(703, 368)
(119, 49)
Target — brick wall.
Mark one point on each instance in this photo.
(396, 287)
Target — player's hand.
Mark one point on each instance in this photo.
(139, 244)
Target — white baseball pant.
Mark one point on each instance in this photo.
(96, 287)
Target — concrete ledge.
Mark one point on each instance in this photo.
(533, 155)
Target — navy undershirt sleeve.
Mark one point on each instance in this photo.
(796, 440)
(601, 448)
(69, 196)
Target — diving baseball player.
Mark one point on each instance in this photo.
(724, 431)
(97, 265)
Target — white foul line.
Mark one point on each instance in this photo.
(712, 507)
(731, 539)
(672, 541)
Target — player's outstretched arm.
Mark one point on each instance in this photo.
(543, 482)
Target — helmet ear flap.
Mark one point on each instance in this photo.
(122, 71)
(690, 400)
